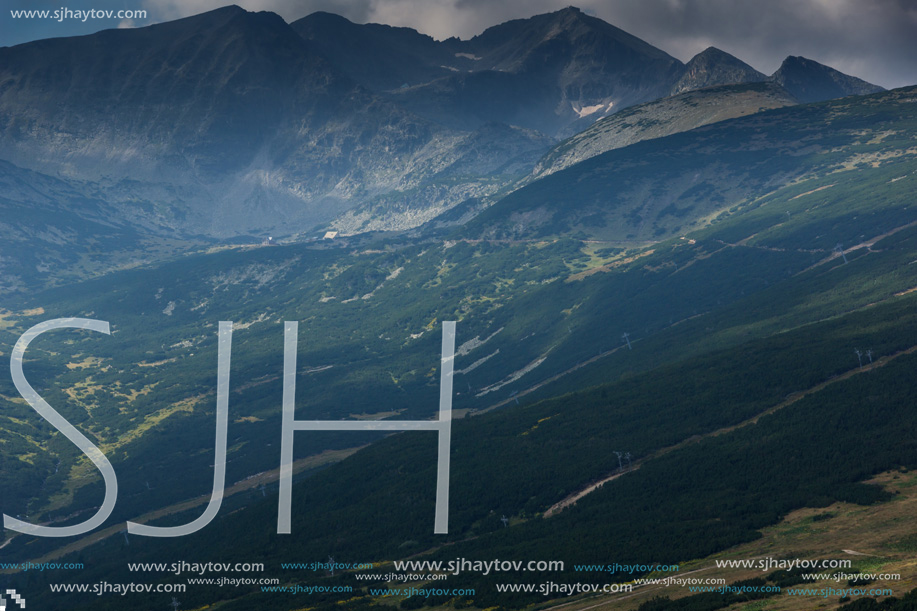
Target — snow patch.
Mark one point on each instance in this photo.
(585, 111)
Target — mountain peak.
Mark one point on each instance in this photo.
(564, 29)
(571, 12)
(205, 24)
(809, 81)
(713, 52)
(712, 67)
(229, 9)
(570, 20)
(799, 60)
(324, 17)
(217, 15)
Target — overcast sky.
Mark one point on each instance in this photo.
(872, 39)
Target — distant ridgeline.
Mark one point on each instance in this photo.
(233, 123)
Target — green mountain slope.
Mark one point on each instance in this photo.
(723, 324)
(688, 493)
(660, 118)
(56, 231)
(659, 188)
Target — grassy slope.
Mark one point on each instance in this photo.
(754, 274)
(662, 118)
(664, 187)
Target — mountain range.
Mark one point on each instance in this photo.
(235, 123)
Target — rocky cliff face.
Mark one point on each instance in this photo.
(543, 73)
(379, 57)
(231, 113)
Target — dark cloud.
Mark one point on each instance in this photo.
(873, 39)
